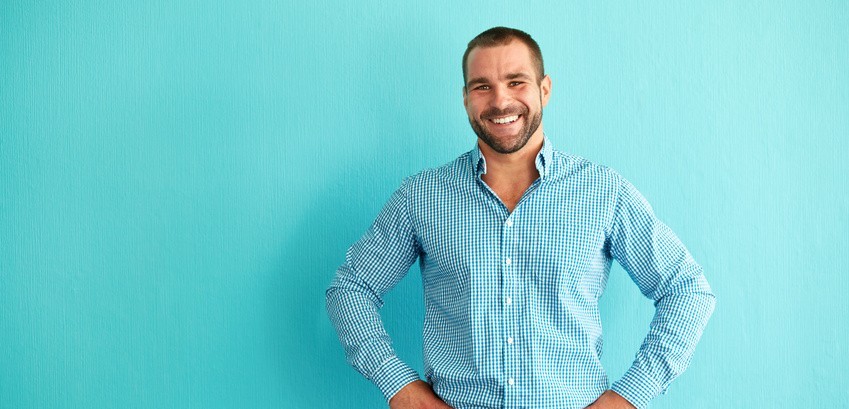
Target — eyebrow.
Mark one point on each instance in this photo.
(518, 75)
(510, 76)
(474, 81)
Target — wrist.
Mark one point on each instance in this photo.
(620, 400)
(392, 376)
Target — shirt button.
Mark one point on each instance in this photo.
(510, 340)
(509, 223)
(508, 301)
(508, 261)
(510, 381)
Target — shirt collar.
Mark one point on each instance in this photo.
(542, 162)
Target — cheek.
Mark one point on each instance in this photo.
(534, 103)
(531, 98)
(472, 108)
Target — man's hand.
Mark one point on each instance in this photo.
(611, 400)
(417, 395)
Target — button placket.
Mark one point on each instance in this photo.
(510, 313)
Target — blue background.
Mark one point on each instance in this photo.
(180, 179)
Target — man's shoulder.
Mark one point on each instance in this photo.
(455, 171)
(573, 167)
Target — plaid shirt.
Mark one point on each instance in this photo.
(511, 298)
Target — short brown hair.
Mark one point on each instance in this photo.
(502, 36)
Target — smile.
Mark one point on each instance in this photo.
(506, 119)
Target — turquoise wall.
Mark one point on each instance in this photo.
(180, 179)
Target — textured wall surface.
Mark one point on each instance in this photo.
(180, 179)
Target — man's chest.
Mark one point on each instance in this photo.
(555, 238)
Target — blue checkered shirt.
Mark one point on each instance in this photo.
(511, 298)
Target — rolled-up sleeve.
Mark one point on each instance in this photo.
(665, 272)
(373, 265)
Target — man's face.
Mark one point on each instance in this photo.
(503, 96)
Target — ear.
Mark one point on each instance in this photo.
(545, 90)
(465, 96)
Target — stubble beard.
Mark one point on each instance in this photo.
(510, 144)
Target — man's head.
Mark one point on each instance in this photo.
(505, 88)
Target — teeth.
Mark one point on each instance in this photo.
(506, 120)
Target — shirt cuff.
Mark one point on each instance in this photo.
(638, 387)
(393, 375)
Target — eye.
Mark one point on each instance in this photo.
(482, 87)
(515, 83)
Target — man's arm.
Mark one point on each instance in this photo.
(664, 270)
(373, 265)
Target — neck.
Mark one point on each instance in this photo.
(519, 165)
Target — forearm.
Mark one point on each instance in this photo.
(368, 348)
(681, 316)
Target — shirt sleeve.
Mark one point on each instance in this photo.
(665, 272)
(373, 266)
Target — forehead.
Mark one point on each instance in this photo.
(511, 58)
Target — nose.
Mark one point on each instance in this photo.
(500, 97)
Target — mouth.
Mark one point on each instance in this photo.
(505, 120)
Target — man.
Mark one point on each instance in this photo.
(515, 240)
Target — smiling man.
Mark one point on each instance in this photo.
(515, 241)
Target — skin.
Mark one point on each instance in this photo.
(417, 395)
(611, 400)
(502, 82)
